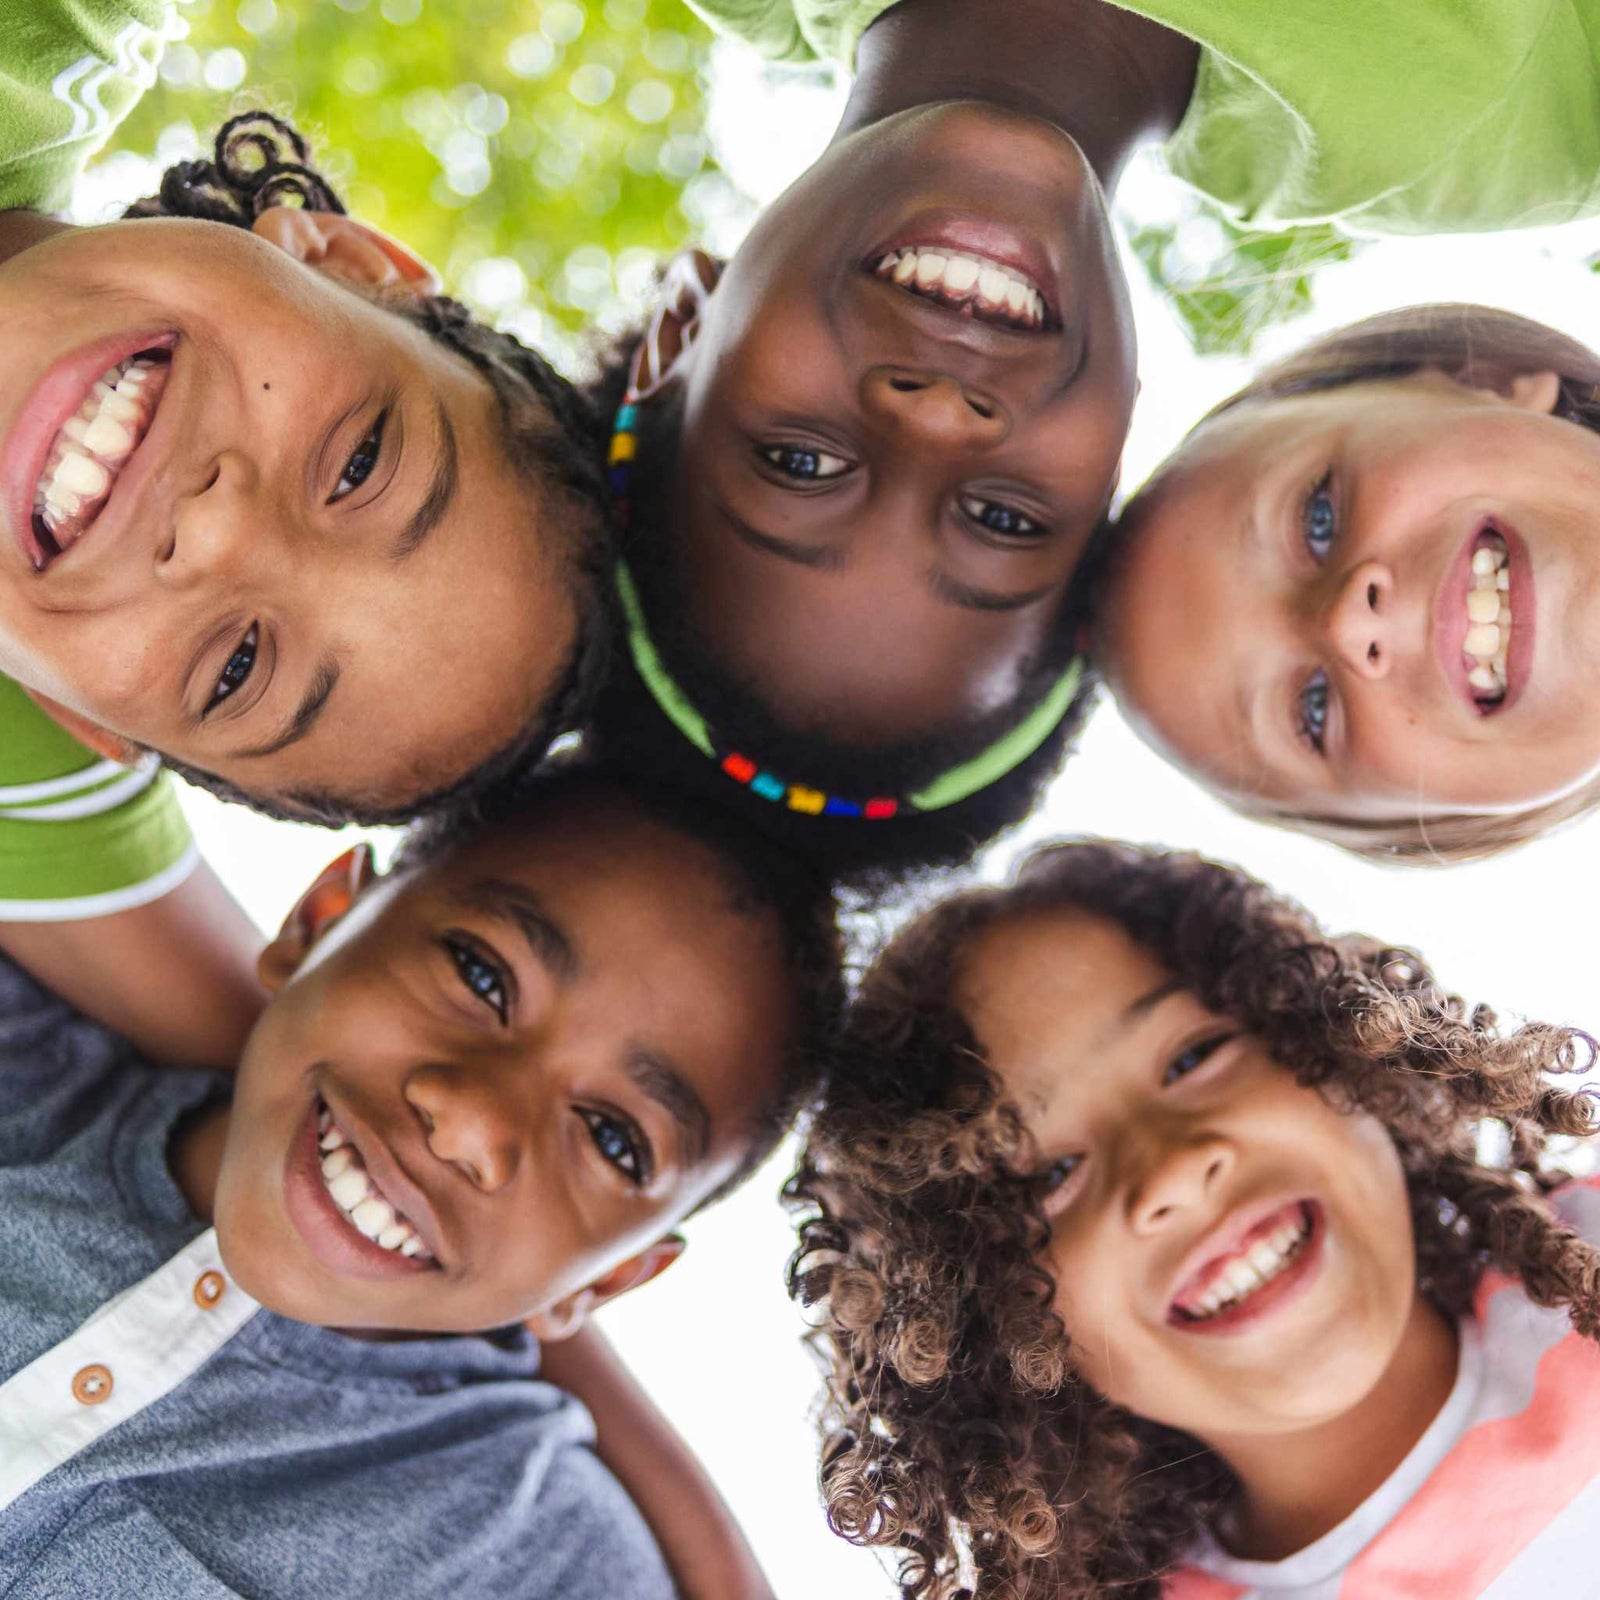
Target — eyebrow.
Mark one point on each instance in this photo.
(441, 489)
(305, 715)
(545, 938)
(826, 557)
(1141, 1008)
(955, 593)
(655, 1076)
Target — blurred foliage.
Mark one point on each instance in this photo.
(542, 153)
(1228, 283)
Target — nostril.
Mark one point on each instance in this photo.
(906, 385)
(982, 407)
(1372, 653)
(1372, 597)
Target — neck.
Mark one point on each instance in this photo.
(195, 1156)
(1298, 1487)
(21, 229)
(1108, 78)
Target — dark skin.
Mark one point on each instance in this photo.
(881, 498)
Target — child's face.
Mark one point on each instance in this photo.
(544, 1051)
(881, 498)
(317, 528)
(1232, 1256)
(1291, 623)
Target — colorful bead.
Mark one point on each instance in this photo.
(879, 809)
(622, 447)
(740, 768)
(767, 786)
(840, 808)
(810, 801)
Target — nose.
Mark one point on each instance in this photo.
(932, 411)
(467, 1123)
(1360, 620)
(213, 524)
(1181, 1174)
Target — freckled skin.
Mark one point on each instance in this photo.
(469, 634)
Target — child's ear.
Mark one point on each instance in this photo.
(347, 249)
(687, 285)
(89, 734)
(336, 889)
(565, 1317)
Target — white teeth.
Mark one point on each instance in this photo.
(82, 474)
(1259, 1264)
(963, 280)
(1488, 635)
(109, 436)
(355, 1194)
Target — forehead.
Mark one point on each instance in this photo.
(1049, 988)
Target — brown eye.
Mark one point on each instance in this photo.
(236, 672)
(363, 463)
(1006, 522)
(804, 462)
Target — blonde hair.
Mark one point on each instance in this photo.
(1476, 345)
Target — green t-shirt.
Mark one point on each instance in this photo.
(1390, 116)
(79, 837)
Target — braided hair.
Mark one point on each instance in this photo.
(259, 161)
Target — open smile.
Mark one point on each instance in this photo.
(345, 1198)
(76, 437)
(1246, 1273)
(965, 282)
(1484, 627)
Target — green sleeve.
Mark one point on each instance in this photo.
(70, 70)
(80, 836)
(795, 30)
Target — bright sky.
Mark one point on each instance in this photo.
(716, 1339)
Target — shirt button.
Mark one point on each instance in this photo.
(209, 1289)
(91, 1385)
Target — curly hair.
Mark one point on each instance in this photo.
(876, 857)
(259, 161)
(954, 1429)
(1478, 345)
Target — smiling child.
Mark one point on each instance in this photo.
(1358, 600)
(1156, 1258)
(486, 1090)
(870, 455)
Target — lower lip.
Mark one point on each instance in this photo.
(1270, 1297)
(42, 416)
(330, 1236)
(989, 241)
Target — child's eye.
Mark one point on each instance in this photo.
(621, 1143)
(1057, 1173)
(1318, 521)
(236, 671)
(1194, 1056)
(801, 461)
(1311, 710)
(994, 516)
(485, 979)
(363, 463)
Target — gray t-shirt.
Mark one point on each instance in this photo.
(296, 1462)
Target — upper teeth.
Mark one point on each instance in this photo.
(1246, 1272)
(957, 279)
(1489, 619)
(358, 1197)
(92, 446)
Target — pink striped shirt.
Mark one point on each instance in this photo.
(1498, 1500)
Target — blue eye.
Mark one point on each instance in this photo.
(1311, 712)
(620, 1143)
(236, 671)
(804, 462)
(1318, 520)
(363, 463)
(1057, 1173)
(1192, 1057)
(484, 980)
(995, 516)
